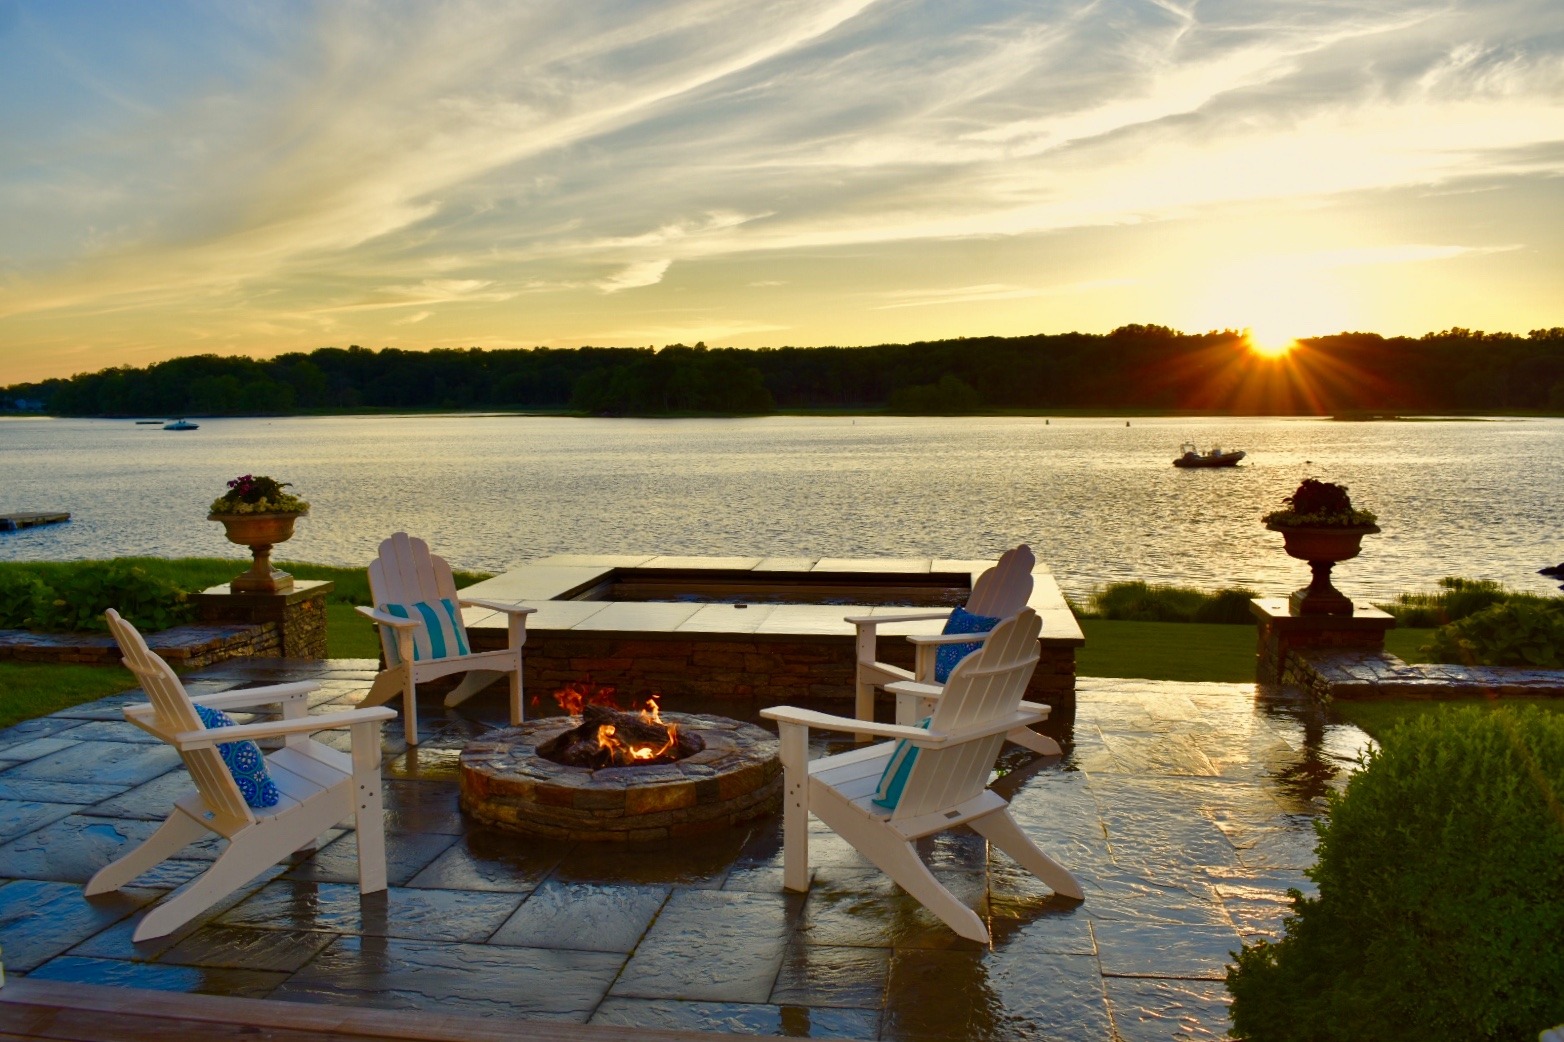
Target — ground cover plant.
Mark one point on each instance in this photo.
(1437, 916)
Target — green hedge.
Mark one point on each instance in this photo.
(1439, 916)
(74, 600)
(1142, 602)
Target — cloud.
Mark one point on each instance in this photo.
(642, 273)
(250, 169)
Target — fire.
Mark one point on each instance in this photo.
(574, 697)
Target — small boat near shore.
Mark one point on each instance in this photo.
(1191, 456)
(181, 425)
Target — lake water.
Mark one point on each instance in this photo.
(1098, 500)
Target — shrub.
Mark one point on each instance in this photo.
(1522, 633)
(1457, 598)
(1142, 602)
(1438, 915)
(74, 599)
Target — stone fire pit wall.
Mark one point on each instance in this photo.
(766, 654)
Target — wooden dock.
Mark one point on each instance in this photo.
(17, 522)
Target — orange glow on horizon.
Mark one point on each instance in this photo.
(1269, 345)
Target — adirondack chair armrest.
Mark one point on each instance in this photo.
(947, 638)
(212, 736)
(913, 687)
(385, 619)
(827, 722)
(1037, 707)
(1005, 726)
(875, 620)
(271, 694)
(508, 607)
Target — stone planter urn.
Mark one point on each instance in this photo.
(260, 532)
(1322, 548)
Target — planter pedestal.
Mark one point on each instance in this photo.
(1322, 548)
(260, 532)
(299, 614)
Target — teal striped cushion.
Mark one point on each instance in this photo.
(897, 769)
(441, 634)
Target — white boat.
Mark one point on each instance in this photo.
(181, 425)
(1212, 457)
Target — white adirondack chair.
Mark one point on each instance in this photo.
(407, 573)
(999, 592)
(319, 786)
(945, 787)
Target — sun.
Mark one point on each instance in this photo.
(1269, 344)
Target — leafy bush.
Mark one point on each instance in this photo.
(1438, 915)
(1141, 602)
(1511, 633)
(1457, 598)
(74, 600)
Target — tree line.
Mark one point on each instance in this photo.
(1134, 367)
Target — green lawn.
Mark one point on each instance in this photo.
(29, 689)
(1188, 651)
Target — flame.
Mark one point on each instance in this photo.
(572, 697)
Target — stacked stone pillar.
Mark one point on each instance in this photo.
(299, 614)
(1282, 634)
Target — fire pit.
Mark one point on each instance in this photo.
(606, 775)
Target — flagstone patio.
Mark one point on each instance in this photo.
(1186, 810)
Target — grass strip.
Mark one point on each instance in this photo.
(31, 689)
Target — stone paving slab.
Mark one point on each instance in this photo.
(1186, 810)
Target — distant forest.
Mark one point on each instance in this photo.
(1133, 367)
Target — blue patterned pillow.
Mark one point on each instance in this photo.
(244, 761)
(441, 634)
(897, 769)
(960, 621)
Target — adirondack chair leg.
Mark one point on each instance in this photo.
(388, 684)
(863, 708)
(795, 808)
(246, 857)
(518, 709)
(177, 832)
(1038, 743)
(368, 809)
(1000, 829)
(898, 859)
(475, 681)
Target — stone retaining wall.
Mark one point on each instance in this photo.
(1352, 675)
(184, 647)
(763, 669)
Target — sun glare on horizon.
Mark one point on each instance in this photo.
(1268, 343)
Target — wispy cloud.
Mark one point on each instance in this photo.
(230, 171)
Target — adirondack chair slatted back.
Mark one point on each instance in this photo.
(404, 573)
(1003, 589)
(985, 686)
(175, 714)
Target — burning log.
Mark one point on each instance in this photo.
(610, 738)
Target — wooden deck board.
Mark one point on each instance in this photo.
(31, 1010)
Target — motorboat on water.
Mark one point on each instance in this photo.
(1191, 456)
(181, 425)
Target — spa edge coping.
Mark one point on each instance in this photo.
(543, 584)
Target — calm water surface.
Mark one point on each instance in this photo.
(1099, 501)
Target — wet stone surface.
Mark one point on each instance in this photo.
(1186, 810)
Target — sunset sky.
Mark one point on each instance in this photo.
(183, 178)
